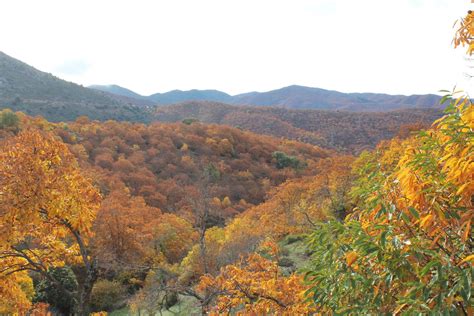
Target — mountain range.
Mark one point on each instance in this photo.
(24, 88)
(291, 97)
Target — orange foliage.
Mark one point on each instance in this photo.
(47, 207)
(256, 286)
(124, 229)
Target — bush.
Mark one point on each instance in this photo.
(285, 262)
(284, 251)
(107, 295)
(47, 292)
(189, 121)
(284, 161)
(9, 120)
(291, 239)
(213, 173)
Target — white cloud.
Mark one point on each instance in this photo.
(236, 46)
(73, 67)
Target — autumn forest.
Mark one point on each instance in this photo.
(206, 208)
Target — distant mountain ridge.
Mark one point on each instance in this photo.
(300, 97)
(170, 97)
(176, 96)
(24, 88)
(292, 97)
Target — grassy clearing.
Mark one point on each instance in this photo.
(294, 248)
(186, 306)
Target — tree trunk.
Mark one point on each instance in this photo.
(202, 248)
(86, 283)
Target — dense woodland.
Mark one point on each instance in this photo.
(339, 130)
(191, 218)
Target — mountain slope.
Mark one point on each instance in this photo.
(118, 90)
(24, 88)
(342, 130)
(123, 94)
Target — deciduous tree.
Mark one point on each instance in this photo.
(46, 210)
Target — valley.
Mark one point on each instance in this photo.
(293, 201)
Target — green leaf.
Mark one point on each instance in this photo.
(427, 268)
(383, 239)
(414, 212)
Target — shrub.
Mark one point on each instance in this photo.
(283, 161)
(9, 120)
(189, 121)
(107, 295)
(48, 292)
(285, 262)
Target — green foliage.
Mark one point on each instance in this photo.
(48, 292)
(283, 161)
(383, 275)
(290, 239)
(406, 248)
(107, 295)
(9, 120)
(285, 262)
(189, 121)
(212, 172)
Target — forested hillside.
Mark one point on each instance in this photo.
(163, 163)
(340, 130)
(162, 185)
(404, 248)
(159, 216)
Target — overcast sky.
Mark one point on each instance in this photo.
(398, 46)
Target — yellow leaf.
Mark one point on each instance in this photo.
(351, 257)
(468, 258)
(399, 308)
(461, 188)
(425, 220)
(466, 230)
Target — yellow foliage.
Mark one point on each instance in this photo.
(465, 33)
(351, 257)
(257, 287)
(226, 202)
(46, 206)
(16, 292)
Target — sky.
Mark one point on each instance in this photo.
(237, 46)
